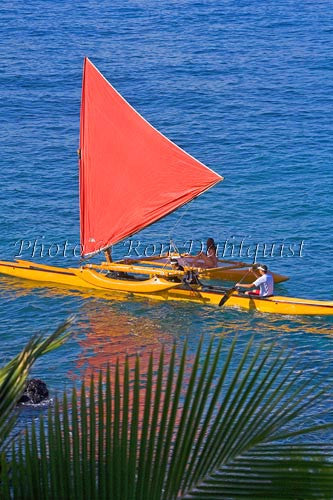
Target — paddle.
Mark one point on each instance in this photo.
(229, 292)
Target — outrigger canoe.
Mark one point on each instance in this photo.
(130, 177)
(95, 278)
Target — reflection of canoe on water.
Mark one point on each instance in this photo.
(227, 270)
(80, 278)
(130, 177)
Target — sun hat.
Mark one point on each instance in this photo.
(262, 267)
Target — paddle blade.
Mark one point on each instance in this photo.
(226, 296)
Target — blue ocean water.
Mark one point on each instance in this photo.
(246, 87)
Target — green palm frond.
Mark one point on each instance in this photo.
(13, 376)
(215, 426)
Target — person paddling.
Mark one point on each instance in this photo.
(264, 284)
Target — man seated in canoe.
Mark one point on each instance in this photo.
(264, 284)
(190, 276)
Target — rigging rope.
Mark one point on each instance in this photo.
(178, 221)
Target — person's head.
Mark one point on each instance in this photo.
(262, 268)
(210, 243)
(174, 263)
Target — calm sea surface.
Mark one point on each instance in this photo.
(246, 87)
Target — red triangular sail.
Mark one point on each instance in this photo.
(130, 174)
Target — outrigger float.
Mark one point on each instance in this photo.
(130, 177)
(226, 270)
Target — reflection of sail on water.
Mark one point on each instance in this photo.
(130, 174)
(114, 334)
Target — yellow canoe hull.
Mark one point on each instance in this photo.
(273, 305)
(162, 289)
(82, 277)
